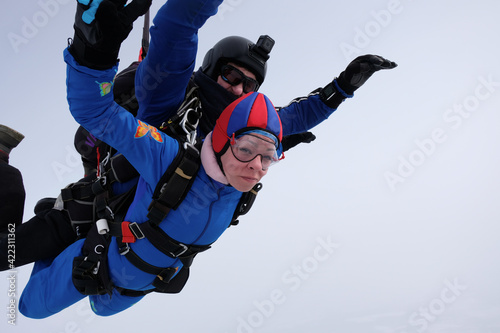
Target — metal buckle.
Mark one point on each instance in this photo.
(100, 168)
(189, 123)
(183, 250)
(191, 145)
(136, 230)
(96, 269)
(124, 249)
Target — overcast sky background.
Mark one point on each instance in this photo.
(388, 222)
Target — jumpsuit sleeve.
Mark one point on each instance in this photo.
(304, 113)
(91, 104)
(163, 76)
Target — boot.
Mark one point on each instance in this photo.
(9, 139)
(44, 204)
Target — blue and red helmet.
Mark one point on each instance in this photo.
(253, 112)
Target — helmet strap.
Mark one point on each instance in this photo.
(219, 155)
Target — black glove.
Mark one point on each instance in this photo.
(353, 77)
(360, 70)
(96, 44)
(290, 141)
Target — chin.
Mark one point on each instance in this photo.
(244, 187)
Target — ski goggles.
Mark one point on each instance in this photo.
(234, 76)
(247, 147)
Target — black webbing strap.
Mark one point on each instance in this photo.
(86, 190)
(245, 203)
(83, 278)
(163, 274)
(169, 246)
(121, 170)
(101, 208)
(124, 231)
(143, 265)
(118, 169)
(133, 293)
(174, 286)
(80, 191)
(170, 192)
(90, 274)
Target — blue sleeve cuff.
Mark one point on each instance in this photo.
(342, 92)
(71, 61)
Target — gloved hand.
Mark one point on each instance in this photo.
(97, 41)
(290, 141)
(360, 70)
(353, 77)
(89, 15)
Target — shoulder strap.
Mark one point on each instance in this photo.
(174, 184)
(246, 202)
(179, 176)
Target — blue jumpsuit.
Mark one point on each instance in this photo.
(206, 211)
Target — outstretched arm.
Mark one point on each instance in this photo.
(89, 89)
(304, 113)
(163, 76)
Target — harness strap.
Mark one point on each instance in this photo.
(78, 191)
(245, 203)
(133, 293)
(121, 170)
(163, 274)
(175, 286)
(174, 189)
(90, 274)
(127, 232)
(101, 207)
(83, 277)
(169, 193)
(169, 246)
(145, 266)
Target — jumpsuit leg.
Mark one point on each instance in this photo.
(50, 288)
(44, 236)
(104, 305)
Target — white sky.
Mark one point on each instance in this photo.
(415, 254)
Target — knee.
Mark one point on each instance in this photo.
(33, 308)
(105, 305)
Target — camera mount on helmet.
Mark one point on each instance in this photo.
(241, 51)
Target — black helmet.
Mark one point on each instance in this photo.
(242, 52)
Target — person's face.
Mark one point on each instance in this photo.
(243, 176)
(238, 89)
